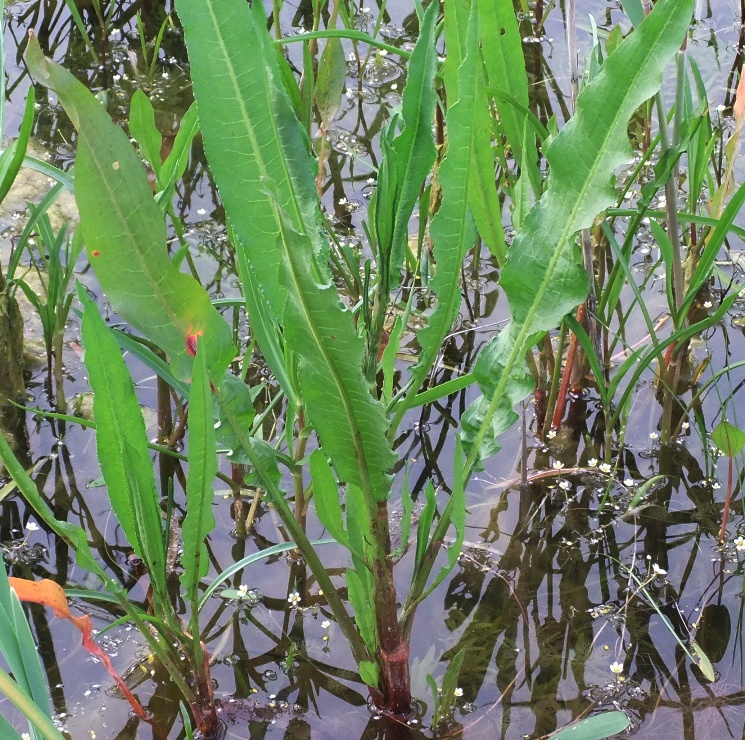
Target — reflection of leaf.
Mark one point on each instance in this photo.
(48, 593)
(728, 438)
(714, 631)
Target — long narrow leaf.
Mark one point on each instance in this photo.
(125, 233)
(544, 278)
(200, 520)
(121, 443)
(265, 177)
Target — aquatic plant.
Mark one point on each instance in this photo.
(327, 358)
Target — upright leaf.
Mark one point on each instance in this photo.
(544, 278)
(265, 178)
(460, 17)
(121, 444)
(452, 230)
(199, 520)
(408, 156)
(504, 64)
(125, 233)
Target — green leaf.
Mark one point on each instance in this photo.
(199, 520)
(728, 438)
(597, 727)
(410, 155)
(175, 164)
(121, 444)
(18, 647)
(425, 522)
(331, 80)
(237, 401)
(504, 63)
(142, 127)
(125, 233)
(266, 180)
(360, 598)
(370, 673)
(452, 229)
(461, 40)
(544, 277)
(12, 158)
(326, 497)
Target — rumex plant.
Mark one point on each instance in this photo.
(325, 356)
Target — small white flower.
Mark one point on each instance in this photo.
(116, 78)
(350, 92)
(382, 52)
(242, 590)
(458, 692)
(628, 482)
(365, 10)
(342, 201)
(721, 108)
(201, 211)
(325, 624)
(550, 434)
(564, 485)
(294, 598)
(654, 435)
(371, 181)
(616, 668)
(25, 736)
(32, 527)
(740, 543)
(716, 486)
(557, 465)
(394, 86)
(592, 462)
(707, 304)
(604, 468)
(685, 425)
(657, 570)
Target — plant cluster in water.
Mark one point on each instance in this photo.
(327, 322)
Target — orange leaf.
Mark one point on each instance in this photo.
(48, 593)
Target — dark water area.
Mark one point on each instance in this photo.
(545, 596)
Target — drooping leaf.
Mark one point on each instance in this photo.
(544, 278)
(265, 178)
(199, 520)
(75, 536)
(49, 593)
(125, 233)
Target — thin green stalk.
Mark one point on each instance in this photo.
(344, 34)
(28, 707)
